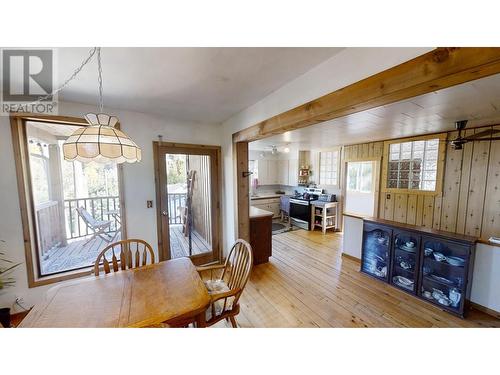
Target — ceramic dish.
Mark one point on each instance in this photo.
(455, 261)
(445, 301)
(407, 249)
(439, 257)
(442, 279)
(402, 280)
(428, 251)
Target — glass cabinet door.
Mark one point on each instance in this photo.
(444, 273)
(405, 261)
(376, 246)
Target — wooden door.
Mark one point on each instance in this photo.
(188, 201)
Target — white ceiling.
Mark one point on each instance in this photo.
(477, 101)
(206, 85)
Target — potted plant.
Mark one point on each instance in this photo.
(6, 266)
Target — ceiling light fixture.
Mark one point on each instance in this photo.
(286, 149)
(101, 141)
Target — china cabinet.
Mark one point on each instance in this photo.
(435, 266)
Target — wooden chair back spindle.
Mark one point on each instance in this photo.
(238, 266)
(128, 258)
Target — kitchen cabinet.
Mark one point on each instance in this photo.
(282, 172)
(263, 168)
(267, 204)
(278, 172)
(432, 265)
(260, 235)
(293, 172)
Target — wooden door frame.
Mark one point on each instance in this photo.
(432, 71)
(161, 190)
(26, 202)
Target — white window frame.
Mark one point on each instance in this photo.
(334, 168)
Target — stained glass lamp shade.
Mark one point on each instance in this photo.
(101, 142)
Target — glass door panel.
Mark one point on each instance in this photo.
(189, 192)
(376, 246)
(405, 261)
(444, 273)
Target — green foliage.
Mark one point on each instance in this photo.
(176, 169)
(4, 280)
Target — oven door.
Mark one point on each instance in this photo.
(300, 213)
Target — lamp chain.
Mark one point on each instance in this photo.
(99, 70)
(92, 52)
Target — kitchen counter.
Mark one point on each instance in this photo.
(266, 196)
(261, 223)
(258, 212)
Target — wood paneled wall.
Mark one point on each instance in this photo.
(470, 199)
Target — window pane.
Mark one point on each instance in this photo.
(429, 175)
(418, 146)
(393, 184)
(431, 155)
(72, 201)
(411, 162)
(39, 180)
(328, 167)
(352, 176)
(432, 144)
(429, 185)
(403, 184)
(366, 177)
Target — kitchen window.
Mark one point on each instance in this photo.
(415, 165)
(360, 176)
(328, 168)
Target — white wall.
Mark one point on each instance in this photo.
(138, 181)
(352, 241)
(349, 66)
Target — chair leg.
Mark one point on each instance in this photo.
(233, 321)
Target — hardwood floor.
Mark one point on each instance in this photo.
(307, 283)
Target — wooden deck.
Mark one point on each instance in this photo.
(74, 255)
(179, 244)
(307, 283)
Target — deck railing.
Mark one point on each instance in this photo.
(98, 207)
(176, 201)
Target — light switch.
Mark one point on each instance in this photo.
(149, 204)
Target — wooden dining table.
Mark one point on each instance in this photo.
(165, 292)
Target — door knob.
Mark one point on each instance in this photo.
(164, 213)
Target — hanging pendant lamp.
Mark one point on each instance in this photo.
(101, 141)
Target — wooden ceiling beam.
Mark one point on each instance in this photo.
(433, 71)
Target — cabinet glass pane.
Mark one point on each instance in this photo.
(405, 258)
(376, 244)
(444, 273)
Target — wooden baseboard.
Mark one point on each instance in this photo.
(351, 257)
(486, 310)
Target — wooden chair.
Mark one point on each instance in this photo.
(130, 252)
(97, 226)
(226, 290)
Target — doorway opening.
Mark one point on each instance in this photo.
(188, 202)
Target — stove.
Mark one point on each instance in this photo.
(300, 207)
